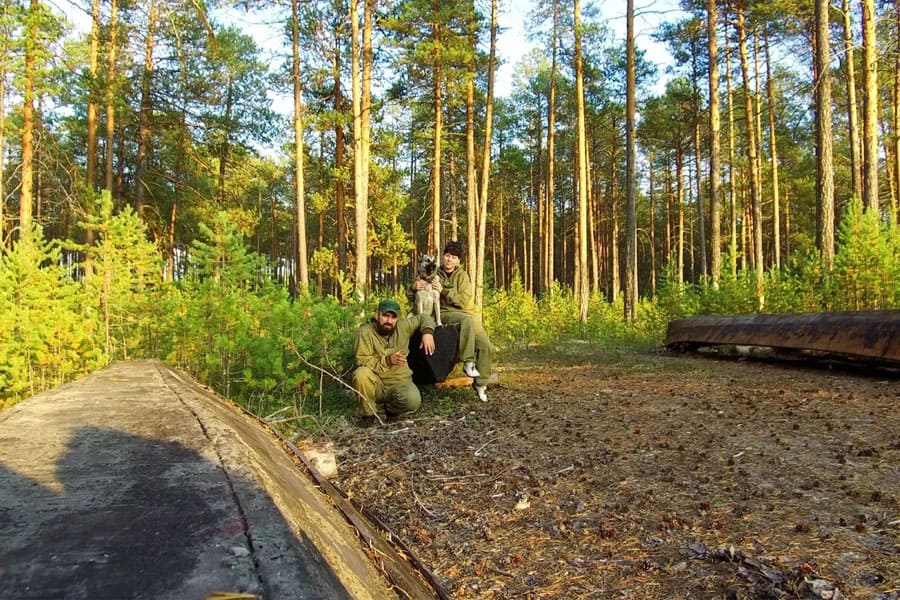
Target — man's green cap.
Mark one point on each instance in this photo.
(389, 305)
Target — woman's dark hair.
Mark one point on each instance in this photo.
(455, 248)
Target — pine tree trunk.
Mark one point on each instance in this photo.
(870, 108)
(679, 205)
(434, 237)
(486, 161)
(471, 174)
(301, 272)
(361, 196)
(895, 118)
(773, 151)
(752, 159)
(852, 103)
(631, 264)
(581, 132)
(111, 95)
(340, 192)
(26, 188)
(550, 212)
(145, 112)
(652, 206)
(824, 141)
(4, 47)
(715, 233)
(732, 170)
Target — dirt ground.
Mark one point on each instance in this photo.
(592, 474)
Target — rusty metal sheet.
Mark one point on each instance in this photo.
(873, 334)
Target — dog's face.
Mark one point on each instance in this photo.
(427, 266)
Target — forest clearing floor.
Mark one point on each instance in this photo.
(599, 474)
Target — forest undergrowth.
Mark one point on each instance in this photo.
(228, 324)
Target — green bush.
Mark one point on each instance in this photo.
(45, 337)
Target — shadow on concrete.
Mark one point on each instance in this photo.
(124, 516)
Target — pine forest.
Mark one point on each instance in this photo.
(174, 187)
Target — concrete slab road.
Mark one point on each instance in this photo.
(134, 482)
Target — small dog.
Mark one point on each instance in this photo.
(428, 300)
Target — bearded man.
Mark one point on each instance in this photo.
(382, 376)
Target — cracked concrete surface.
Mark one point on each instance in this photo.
(136, 482)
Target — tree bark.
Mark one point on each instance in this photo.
(895, 104)
(631, 279)
(471, 169)
(852, 103)
(301, 272)
(715, 233)
(340, 192)
(870, 108)
(145, 112)
(361, 196)
(773, 151)
(4, 48)
(732, 171)
(752, 159)
(824, 141)
(111, 94)
(434, 241)
(581, 131)
(549, 231)
(679, 201)
(486, 161)
(26, 189)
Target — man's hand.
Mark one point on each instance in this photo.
(427, 343)
(419, 285)
(436, 285)
(398, 358)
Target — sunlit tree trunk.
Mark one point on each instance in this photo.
(715, 234)
(471, 171)
(698, 204)
(549, 232)
(824, 141)
(486, 160)
(4, 49)
(301, 273)
(773, 151)
(679, 206)
(593, 220)
(870, 108)
(434, 236)
(527, 248)
(667, 203)
(340, 192)
(538, 191)
(360, 187)
(852, 105)
(615, 282)
(895, 104)
(787, 224)
(752, 158)
(366, 94)
(732, 171)
(696, 77)
(26, 189)
(454, 200)
(111, 94)
(652, 228)
(146, 109)
(581, 272)
(91, 154)
(631, 279)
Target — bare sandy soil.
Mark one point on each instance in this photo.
(592, 474)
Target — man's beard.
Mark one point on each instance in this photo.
(385, 329)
